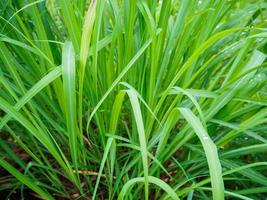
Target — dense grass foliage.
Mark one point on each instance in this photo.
(133, 99)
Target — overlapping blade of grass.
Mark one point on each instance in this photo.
(157, 48)
(41, 136)
(25, 180)
(256, 119)
(174, 35)
(239, 130)
(245, 150)
(46, 80)
(188, 63)
(251, 174)
(118, 79)
(41, 32)
(165, 130)
(107, 149)
(70, 21)
(136, 147)
(29, 40)
(233, 168)
(99, 12)
(25, 46)
(218, 103)
(228, 193)
(7, 58)
(10, 154)
(23, 145)
(193, 100)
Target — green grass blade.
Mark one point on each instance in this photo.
(107, 148)
(151, 179)
(69, 76)
(210, 149)
(141, 135)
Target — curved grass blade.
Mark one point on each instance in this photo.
(151, 179)
(141, 135)
(210, 149)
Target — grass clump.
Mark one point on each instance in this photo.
(133, 99)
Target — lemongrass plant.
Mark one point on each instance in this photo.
(133, 99)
